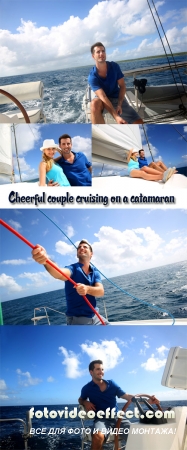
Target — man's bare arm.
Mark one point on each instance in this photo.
(89, 406)
(90, 169)
(96, 291)
(39, 254)
(122, 91)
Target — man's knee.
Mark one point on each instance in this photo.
(97, 440)
(96, 105)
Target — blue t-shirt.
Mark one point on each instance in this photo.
(105, 399)
(142, 162)
(108, 84)
(76, 305)
(77, 172)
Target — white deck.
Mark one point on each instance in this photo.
(177, 181)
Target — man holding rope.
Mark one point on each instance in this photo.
(88, 283)
(100, 395)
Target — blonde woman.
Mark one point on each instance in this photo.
(146, 172)
(48, 168)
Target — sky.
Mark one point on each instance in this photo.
(49, 365)
(42, 35)
(168, 143)
(124, 242)
(30, 138)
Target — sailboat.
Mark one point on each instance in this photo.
(111, 144)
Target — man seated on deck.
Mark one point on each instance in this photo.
(107, 81)
(88, 283)
(75, 165)
(100, 394)
(158, 165)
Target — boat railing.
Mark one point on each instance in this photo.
(26, 424)
(36, 318)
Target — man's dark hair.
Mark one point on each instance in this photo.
(97, 44)
(64, 136)
(92, 364)
(141, 150)
(86, 242)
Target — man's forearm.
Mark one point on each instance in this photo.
(121, 95)
(107, 103)
(96, 291)
(52, 271)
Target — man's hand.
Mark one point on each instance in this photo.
(89, 406)
(52, 184)
(81, 289)
(39, 254)
(119, 110)
(119, 119)
(154, 400)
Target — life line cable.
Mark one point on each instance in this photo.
(110, 281)
(52, 265)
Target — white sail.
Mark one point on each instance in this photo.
(111, 143)
(5, 149)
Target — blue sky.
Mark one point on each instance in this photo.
(124, 242)
(30, 138)
(57, 34)
(166, 145)
(48, 365)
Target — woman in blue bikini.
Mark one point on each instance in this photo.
(146, 172)
(48, 169)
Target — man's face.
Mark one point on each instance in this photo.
(98, 372)
(99, 54)
(65, 145)
(142, 154)
(83, 251)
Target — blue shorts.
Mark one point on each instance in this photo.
(103, 425)
(128, 113)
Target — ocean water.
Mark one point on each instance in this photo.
(64, 89)
(164, 286)
(11, 433)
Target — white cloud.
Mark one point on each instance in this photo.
(35, 222)
(107, 351)
(27, 136)
(50, 380)
(26, 379)
(81, 144)
(153, 364)
(38, 48)
(15, 224)
(69, 231)
(63, 248)
(9, 283)
(14, 262)
(161, 350)
(71, 362)
(37, 278)
(3, 385)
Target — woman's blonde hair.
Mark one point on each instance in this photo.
(49, 161)
(134, 157)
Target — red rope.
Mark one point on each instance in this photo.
(52, 265)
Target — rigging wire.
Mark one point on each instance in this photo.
(110, 281)
(169, 46)
(165, 53)
(147, 141)
(179, 132)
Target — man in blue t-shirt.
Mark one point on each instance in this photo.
(88, 282)
(158, 165)
(107, 81)
(100, 394)
(75, 165)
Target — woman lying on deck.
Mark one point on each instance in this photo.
(146, 172)
(48, 169)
